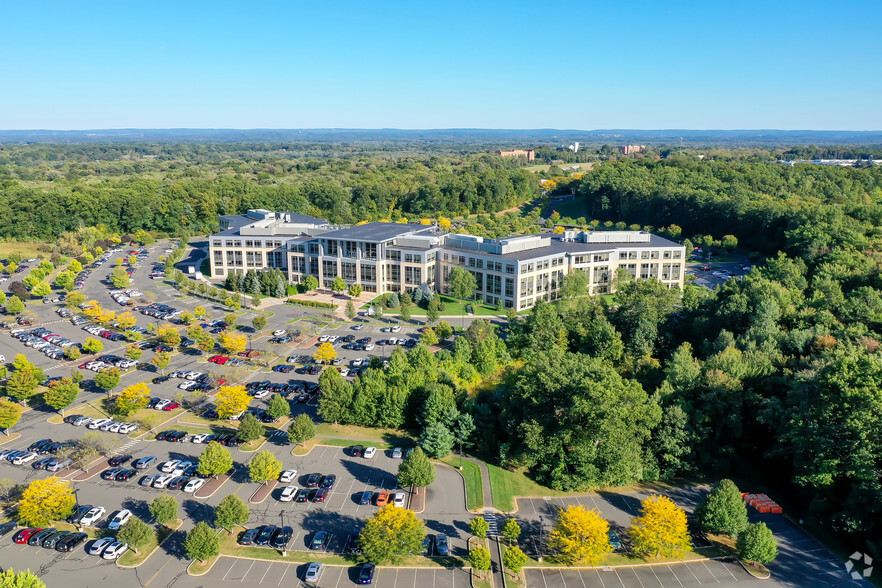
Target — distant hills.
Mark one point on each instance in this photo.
(693, 137)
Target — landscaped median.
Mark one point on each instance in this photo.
(10, 437)
(229, 547)
(474, 485)
(130, 560)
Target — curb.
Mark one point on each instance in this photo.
(224, 477)
(640, 565)
(12, 437)
(746, 569)
(269, 486)
(208, 569)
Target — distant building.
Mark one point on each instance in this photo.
(515, 271)
(629, 149)
(528, 153)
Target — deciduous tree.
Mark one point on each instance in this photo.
(580, 536)
(250, 429)
(301, 429)
(259, 322)
(479, 527)
(44, 501)
(108, 378)
(416, 470)
(161, 360)
(264, 467)
(132, 398)
(757, 543)
(514, 559)
(23, 579)
(661, 529)
(278, 407)
(61, 393)
(136, 533)
(479, 558)
(325, 353)
(92, 345)
(391, 534)
(214, 460)
(201, 542)
(14, 305)
(511, 530)
(722, 510)
(231, 400)
(232, 342)
(437, 440)
(164, 509)
(230, 512)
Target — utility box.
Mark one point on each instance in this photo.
(191, 269)
(198, 275)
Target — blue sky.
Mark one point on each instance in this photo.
(424, 64)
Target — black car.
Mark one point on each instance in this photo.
(312, 480)
(78, 513)
(365, 497)
(161, 379)
(178, 483)
(118, 460)
(163, 435)
(281, 537)
(72, 417)
(234, 442)
(320, 540)
(356, 451)
(37, 445)
(265, 535)
(125, 475)
(144, 462)
(7, 527)
(41, 464)
(328, 481)
(302, 495)
(70, 542)
(249, 536)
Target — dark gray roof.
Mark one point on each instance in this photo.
(305, 220)
(375, 231)
(236, 221)
(558, 247)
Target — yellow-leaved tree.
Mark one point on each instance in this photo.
(231, 400)
(660, 530)
(232, 342)
(325, 353)
(580, 536)
(44, 501)
(444, 224)
(126, 320)
(132, 398)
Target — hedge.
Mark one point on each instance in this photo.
(312, 303)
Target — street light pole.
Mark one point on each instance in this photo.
(541, 525)
(284, 547)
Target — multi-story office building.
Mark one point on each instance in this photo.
(389, 257)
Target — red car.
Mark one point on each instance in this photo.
(82, 366)
(319, 495)
(171, 406)
(25, 534)
(219, 359)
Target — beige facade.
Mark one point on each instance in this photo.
(515, 272)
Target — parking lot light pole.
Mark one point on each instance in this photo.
(285, 547)
(539, 555)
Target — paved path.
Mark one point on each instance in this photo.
(496, 562)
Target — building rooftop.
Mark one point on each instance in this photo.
(555, 245)
(376, 231)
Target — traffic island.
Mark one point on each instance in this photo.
(263, 492)
(200, 568)
(418, 499)
(8, 438)
(213, 485)
(131, 560)
(755, 569)
(91, 472)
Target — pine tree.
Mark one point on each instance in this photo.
(722, 510)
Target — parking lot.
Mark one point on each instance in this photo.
(232, 571)
(701, 573)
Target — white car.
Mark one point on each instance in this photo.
(261, 394)
(192, 375)
(127, 428)
(115, 427)
(181, 468)
(280, 333)
(100, 545)
(25, 458)
(344, 372)
(332, 338)
(169, 466)
(93, 516)
(120, 519)
(369, 452)
(398, 499)
(162, 481)
(369, 347)
(323, 339)
(194, 485)
(161, 404)
(116, 549)
(357, 327)
(396, 328)
(357, 362)
(288, 476)
(199, 438)
(106, 426)
(98, 422)
(313, 571)
(187, 385)
(288, 493)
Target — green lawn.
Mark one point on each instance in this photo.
(159, 535)
(573, 208)
(505, 485)
(473, 483)
(453, 309)
(389, 436)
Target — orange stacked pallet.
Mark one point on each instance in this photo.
(762, 503)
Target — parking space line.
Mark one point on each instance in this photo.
(710, 572)
(581, 577)
(230, 570)
(689, 567)
(265, 573)
(725, 567)
(636, 575)
(542, 574)
(656, 576)
(622, 582)
(562, 579)
(287, 567)
(246, 572)
(676, 576)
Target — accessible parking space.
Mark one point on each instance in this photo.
(228, 570)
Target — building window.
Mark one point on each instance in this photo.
(599, 257)
(370, 251)
(331, 248)
(653, 255)
(329, 269)
(349, 271)
(411, 258)
(314, 248)
(462, 260)
(298, 265)
(509, 287)
(393, 255)
(254, 258)
(350, 249)
(368, 273)
(218, 258)
(395, 273)
(413, 275)
(217, 244)
(666, 255)
(677, 254)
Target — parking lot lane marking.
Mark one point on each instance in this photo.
(246, 572)
(562, 579)
(656, 577)
(265, 573)
(285, 571)
(229, 570)
(677, 577)
(619, 577)
(599, 577)
(689, 567)
(725, 567)
(710, 572)
(395, 581)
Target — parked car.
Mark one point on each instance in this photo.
(194, 484)
(442, 546)
(370, 452)
(100, 545)
(398, 499)
(382, 499)
(93, 516)
(282, 537)
(313, 571)
(114, 550)
(320, 540)
(287, 476)
(144, 462)
(249, 536)
(366, 575)
(70, 542)
(119, 519)
(265, 535)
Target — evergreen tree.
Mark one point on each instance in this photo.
(722, 510)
